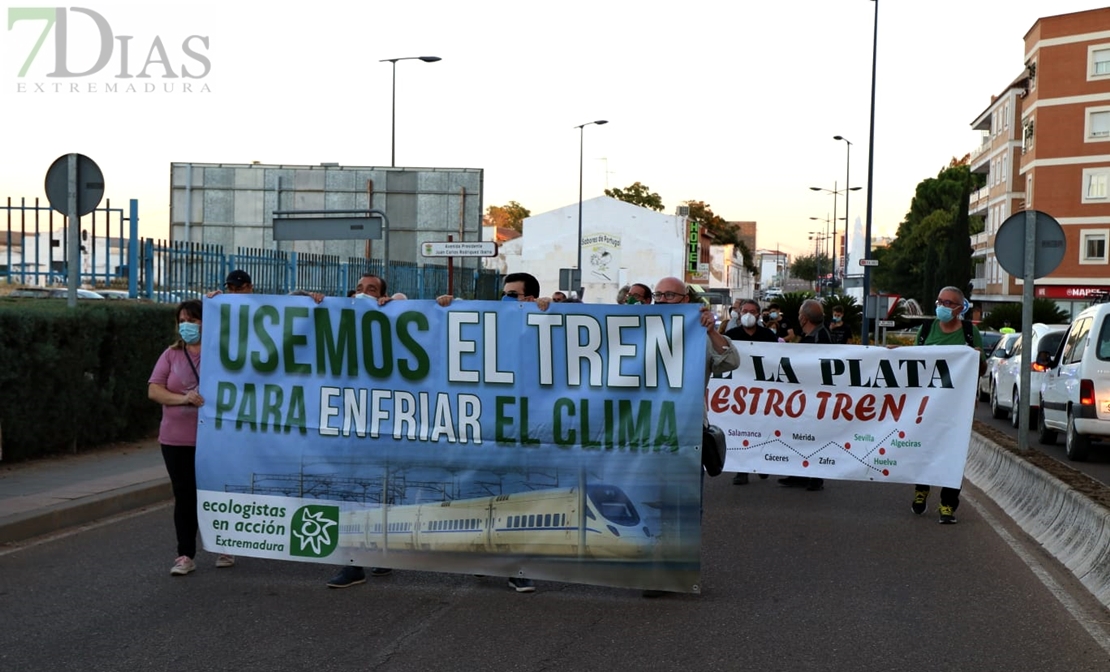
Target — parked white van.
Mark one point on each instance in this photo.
(1075, 389)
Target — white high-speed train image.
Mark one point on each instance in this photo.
(540, 522)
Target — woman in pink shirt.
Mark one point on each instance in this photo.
(174, 384)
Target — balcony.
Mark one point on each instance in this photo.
(978, 284)
(979, 162)
(977, 204)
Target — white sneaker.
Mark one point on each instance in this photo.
(223, 560)
(183, 566)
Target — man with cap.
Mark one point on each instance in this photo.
(238, 282)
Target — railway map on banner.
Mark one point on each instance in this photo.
(900, 415)
(485, 438)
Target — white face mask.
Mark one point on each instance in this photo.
(735, 315)
(747, 320)
(363, 296)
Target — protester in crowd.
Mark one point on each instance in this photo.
(237, 282)
(720, 354)
(371, 287)
(516, 287)
(948, 329)
(175, 384)
(639, 293)
(781, 324)
(811, 320)
(558, 297)
(748, 329)
(734, 316)
(839, 330)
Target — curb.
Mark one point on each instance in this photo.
(84, 510)
(1075, 530)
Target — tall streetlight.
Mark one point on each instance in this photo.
(834, 191)
(847, 188)
(817, 237)
(581, 145)
(393, 121)
(870, 181)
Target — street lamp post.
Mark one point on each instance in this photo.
(817, 237)
(393, 121)
(581, 146)
(847, 188)
(834, 191)
(870, 181)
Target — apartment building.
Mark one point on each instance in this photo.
(1046, 146)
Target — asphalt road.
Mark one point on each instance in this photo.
(844, 579)
(1097, 466)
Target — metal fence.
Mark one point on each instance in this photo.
(34, 241)
(33, 248)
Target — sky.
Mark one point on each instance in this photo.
(734, 104)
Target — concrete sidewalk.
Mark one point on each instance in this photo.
(52, 494)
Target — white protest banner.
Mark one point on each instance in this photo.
(848, 412)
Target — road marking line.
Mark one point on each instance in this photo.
(55, 536)
(1081, 615)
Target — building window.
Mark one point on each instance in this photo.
(1098, 124)
(1093, 246)
(1005, 165)
(1096, 185)
(1027, 136)
(1029, 191)
(1098, 61)
(1006, 115)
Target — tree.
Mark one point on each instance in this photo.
(509, 216)
(806, 267)
(637, 194)
(722, 232)
(1009, 315)
(932, 248)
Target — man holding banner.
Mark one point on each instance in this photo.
(947, 329)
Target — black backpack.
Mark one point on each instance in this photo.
(969, 337)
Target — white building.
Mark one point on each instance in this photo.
(726, 271)
(621, 243)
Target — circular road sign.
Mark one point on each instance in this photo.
(1050, 246)
(90, 185)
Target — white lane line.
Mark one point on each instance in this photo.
(38, 541)
(1082, 615)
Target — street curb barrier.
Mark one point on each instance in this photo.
(1074, 529)
(84, 510)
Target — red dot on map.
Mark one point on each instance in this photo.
(745, 443)
(778, 433)
(882, 451)
(886, 472)
(805, 463)
(901, 435)
(847, 446)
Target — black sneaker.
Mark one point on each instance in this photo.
(347, 577)
(378, 572)
(740, 479)
(947, 515)
(794, 482)
(919, 498)
(522, 585)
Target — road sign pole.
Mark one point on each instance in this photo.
(74, 266)
(1027, 328)
(450, 271)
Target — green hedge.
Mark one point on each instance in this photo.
(75, 378)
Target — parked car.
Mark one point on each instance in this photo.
(52, 293)
(990, 340)
(1002, 350)
(114, 294)
(1005, 393)
(1075, 391)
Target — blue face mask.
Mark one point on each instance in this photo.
(190, 332)
(944, 313)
